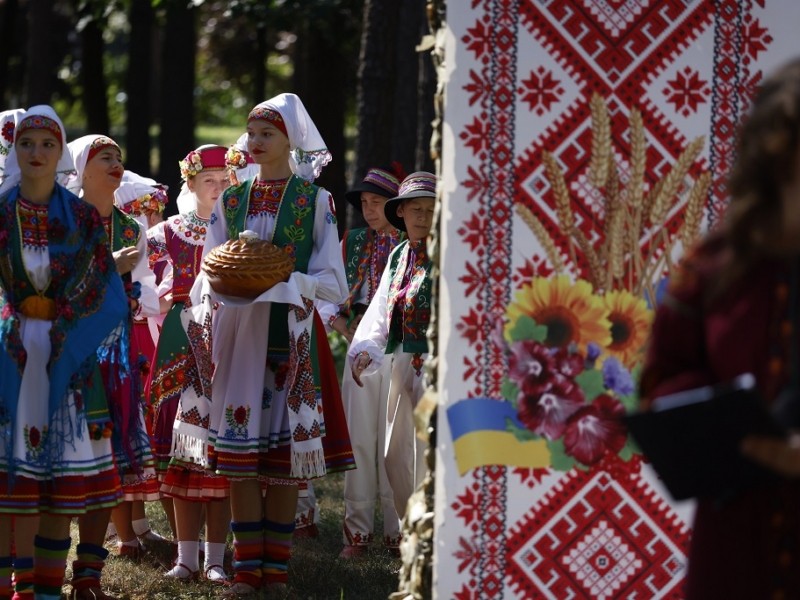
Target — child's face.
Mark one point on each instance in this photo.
(417, 214)
(372, 209)
(208, 184)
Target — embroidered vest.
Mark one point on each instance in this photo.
(184, 236)
(125, 230)
(365, 255)
(294, 226)
(415, 309)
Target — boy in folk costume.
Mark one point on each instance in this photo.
(266, 418)
(366, 252)
(394, 328)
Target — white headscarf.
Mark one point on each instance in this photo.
(79, 149)
(11, 173)
(308, 151)
(133, 187)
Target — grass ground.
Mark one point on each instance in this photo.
(315, 571)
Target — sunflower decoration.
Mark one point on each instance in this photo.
(571, 312)
(567, 379)
(630, 320)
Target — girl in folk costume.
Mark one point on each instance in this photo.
(366, 253)
(242, 167)
(394, 330)
(98, 173)
(179, 241)
(144, 200)
(62, 308)
(270, 355)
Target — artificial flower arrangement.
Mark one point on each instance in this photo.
(572, 358)
(149, 203)
(235, 158)
(575, 341)
(191, 165)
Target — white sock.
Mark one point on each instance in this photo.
(111, 531)
(215, 554)
(188, 555)
(132, 543)
(140, 526)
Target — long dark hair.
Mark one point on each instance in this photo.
(767, 152)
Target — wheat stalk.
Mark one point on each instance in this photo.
(694, 209)
(635, 188)
(614, 229)
(595, 265)
(673, 180)
(600, 158)
(541, 234)
(566, 221)
(610, 206)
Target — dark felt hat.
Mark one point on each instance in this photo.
(417, 185)
(378, 181)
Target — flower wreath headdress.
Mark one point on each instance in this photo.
(191, 165)
(235, 158)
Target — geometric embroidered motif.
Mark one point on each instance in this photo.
(192, 417)
(599, 537)
(303, 390)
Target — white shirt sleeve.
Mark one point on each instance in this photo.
(327, 310)
(326, 264)
(148, 300)
(372, 333)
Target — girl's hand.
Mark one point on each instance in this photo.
(779, 455)
(360, 363)
(126, 259)
(339, 325)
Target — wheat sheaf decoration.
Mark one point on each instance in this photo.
(629, 211)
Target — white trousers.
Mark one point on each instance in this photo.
(404, 452)
(365, 409)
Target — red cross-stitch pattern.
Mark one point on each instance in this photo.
(596, 537)
(600, 532)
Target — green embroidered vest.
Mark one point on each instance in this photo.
(125, 230)
(366, 254)
(354, 244)
(294, 227)
(415, 310)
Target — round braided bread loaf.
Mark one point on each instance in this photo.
(246, 268)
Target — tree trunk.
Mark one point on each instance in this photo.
(139, 87)
(92, 77)
(176, 138)
(404, 125)
(40, 70)
(319, 83)
(260, 60)
(8, 23)
(388, 87)
(425, 108)
(375, 88)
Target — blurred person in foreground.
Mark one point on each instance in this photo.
(731, 308)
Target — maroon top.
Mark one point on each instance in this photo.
(747, 546)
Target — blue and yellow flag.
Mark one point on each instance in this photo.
(481, 436)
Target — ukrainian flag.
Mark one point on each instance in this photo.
(480, 436)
